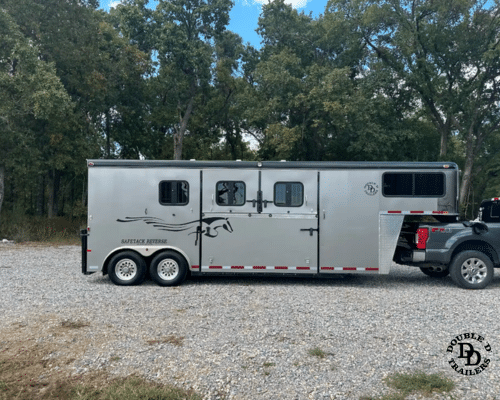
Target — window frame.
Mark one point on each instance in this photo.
(177, 181)
(413, 174)
(497, 206)
(231, 205)
(288, 183)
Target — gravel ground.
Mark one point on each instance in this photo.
(248, 337)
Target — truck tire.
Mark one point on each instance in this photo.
(126, 268)
(471, 270)
(168, 269)
(436, 272)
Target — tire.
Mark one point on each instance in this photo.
(439, 271)
(168, 269)
(471, 270)
(127, 268)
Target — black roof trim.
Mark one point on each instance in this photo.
(270, 164)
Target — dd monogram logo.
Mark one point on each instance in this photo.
(469, 350)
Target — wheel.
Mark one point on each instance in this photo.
(168, 269)
(438, 271)
(471, 270)
(127, 268)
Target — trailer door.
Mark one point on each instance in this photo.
(260, 221)
(349, 221)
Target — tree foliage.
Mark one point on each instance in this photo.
(392, 80)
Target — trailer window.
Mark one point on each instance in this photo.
(174, 193)
(288, 194)
(230, 193)
(414, 184)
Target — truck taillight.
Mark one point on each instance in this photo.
(422, 236)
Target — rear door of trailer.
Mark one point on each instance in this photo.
(349, 220)
(260, 220)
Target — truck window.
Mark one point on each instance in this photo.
(413, 184)
(495, 210)
(288, 194)
(174, 193)
(230, 193)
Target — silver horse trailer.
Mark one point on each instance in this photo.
(289, 218)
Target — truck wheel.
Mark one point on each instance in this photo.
(436, 272)
(168, 269)
(127, 268)
(471, 270)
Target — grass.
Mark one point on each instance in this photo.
(175, 340)
(419, 382)
(29, 371)
(132, 388)
(317, 352)
(25, 228)
(416, 382)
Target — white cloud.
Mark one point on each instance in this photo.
(113, 4)
(293, 3)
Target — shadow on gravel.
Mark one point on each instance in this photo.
(397, 278)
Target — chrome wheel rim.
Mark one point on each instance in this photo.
(474, 270)
(168, 269)
(126, 269)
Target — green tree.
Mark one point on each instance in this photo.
(179, 35)
(33, 102)
(446, 53)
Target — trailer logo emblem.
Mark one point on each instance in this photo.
(371, 188)
(209, 226)
(468, 354)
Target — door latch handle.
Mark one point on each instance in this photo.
(311, 230)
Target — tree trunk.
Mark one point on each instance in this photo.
(181, 130)
(466, 177)
(108, 134)
(40, 196)
(53, 205)
(2, 179)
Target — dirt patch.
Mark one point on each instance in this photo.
(36, 359)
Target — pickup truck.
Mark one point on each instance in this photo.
(467, 250)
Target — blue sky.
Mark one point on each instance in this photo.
(245, 14)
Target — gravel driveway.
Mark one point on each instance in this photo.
(248, 337)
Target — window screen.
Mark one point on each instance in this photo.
(230, 193)
(174, 193)
(414, 184)
(288, 194)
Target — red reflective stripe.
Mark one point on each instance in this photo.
(281, 267)
(328, 268)
(215, 267)
(259, 267)
(440, 212)
(88, 250)
(416, 212)
(195, 266)
(371, 269)
(307, 268)
(237, 267)
(394, 212)
(349, 269)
